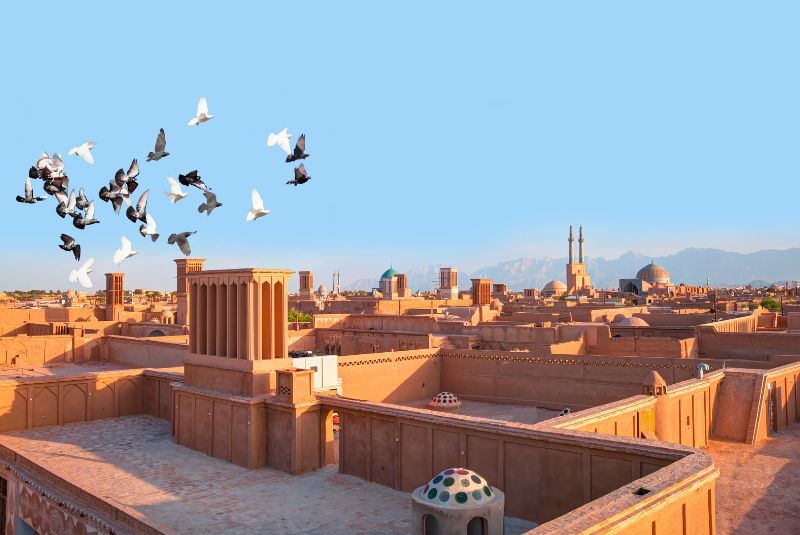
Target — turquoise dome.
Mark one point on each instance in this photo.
(389, 273)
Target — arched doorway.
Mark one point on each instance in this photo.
(329, 437)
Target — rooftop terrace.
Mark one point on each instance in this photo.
(134, 464)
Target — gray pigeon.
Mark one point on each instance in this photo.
(116, 194)
(138, 213)
(128, 179)
(82, 221)
(210, 204)
(300, 176)
(161, 144)
(29, 198)
(182, 239)
(81, 202)
(70, 245)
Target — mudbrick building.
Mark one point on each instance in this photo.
(579, 419)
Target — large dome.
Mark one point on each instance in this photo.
(457, 487)
(555, 286)
(389, 273)
(653, 273)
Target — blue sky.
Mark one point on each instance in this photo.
(461, 133)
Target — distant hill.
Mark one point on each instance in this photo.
(692, 266)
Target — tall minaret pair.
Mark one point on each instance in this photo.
(577, 278)
(580, 244)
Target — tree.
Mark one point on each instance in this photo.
(771, 304)
(296, 315)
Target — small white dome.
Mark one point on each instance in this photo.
(458, 487)
(633, 322)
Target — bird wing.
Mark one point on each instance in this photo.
(86, 152)
(151, 223)
(183, 243)
(89, 212)
(211, 197)
(173, 185)
(56, 162)
(283, 142)
(301, 144)
(119, 256)
(28, 188)
(67, 239)
(141, 206)
(82, 275)
(133, 170)
(119, 178)
(61, 197)
(43, 161)
(161, 141)
(71, 201)
(300, 172)
(202, 106)
(258, 202)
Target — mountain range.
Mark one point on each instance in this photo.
(692, 266)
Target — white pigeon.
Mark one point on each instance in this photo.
(84, 151)
(281, 139)
(202, 113)
(126, 251)
(81, 274)
(258, 207)
(149, 229)
(175, 193)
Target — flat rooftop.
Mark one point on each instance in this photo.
(525, 414)
(133, 462)
(56, 370)
(757, 485)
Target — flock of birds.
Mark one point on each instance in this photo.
(50, 170)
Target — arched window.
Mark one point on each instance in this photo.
(477, 526)
(430, 525)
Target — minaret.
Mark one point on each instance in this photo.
(580, 244)
(571, 239)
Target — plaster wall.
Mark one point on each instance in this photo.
(392, 377)
(649, 346)
(144, 353)
(25, 404)
(35, 350)
(759, 346)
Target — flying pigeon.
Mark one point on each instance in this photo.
(193, 179)
(70, 245)
(161, 144)
(202, 113)
(210, 204)
(116, 194)
(66, 205)
(281, 139)
(81, 274)
(299, 150)
(138, 213)
(300, 176)
(29, 198)
(84, 151)
(126, 251)
(43, 162)
(81, 202)
(56, 185)
(82, 221)
(175, 192)
(182, 239)
(258, 207)
(150, 228)
(122, 178)
(47, 166)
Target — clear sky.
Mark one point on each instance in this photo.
(462, 133)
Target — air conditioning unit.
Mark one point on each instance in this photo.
(326, 372)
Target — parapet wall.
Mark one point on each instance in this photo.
(144, 353)
(553, 382)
